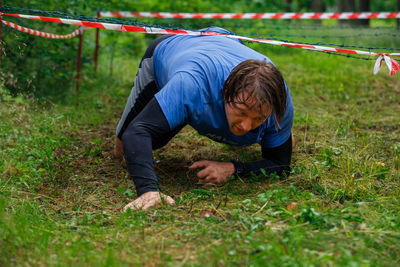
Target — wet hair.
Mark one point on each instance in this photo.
(262, 81)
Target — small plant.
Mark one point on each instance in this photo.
(313, 217)
(379, 170)
(396, 156)
(326, 157)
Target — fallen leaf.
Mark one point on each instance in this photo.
(206, 213)
(292, 206)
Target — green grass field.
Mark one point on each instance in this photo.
(61, 191)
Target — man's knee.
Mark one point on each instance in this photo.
(119, 151)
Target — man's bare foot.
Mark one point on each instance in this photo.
(149, 199)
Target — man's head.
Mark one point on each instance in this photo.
(253, 91)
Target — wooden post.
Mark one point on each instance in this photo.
(346, 6)
(78, 75)
(364, 6)
(317, 7)
(112, 58)
(96, 49)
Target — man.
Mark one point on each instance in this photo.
(223, 89)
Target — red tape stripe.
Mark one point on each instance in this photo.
(38, 33)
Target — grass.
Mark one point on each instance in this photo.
(62, 191)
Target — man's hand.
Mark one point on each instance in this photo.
(148, 200)
(213, 172)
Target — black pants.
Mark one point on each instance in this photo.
(143, 91)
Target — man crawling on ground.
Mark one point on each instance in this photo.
(224, 90)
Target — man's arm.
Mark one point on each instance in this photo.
(150, 124)
(276, 160)
(149, 129)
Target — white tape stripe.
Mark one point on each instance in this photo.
(156, 30)
(72, 21)
(115, 27)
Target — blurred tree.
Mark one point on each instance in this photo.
(398, 10)
(349, 6)
(346, 6)
(364, 6)
(288, 5)
(317, 6)
(384, 5)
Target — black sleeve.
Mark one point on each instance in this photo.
(149, 125)
(275, 160)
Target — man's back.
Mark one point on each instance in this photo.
(191, 71)
(211, 56)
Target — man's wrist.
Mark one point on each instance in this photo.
(238, 166)
(140, 191)
(230, 168)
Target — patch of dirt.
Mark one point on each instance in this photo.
(385, 128)
(87, 176)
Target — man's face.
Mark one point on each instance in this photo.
(244, 116)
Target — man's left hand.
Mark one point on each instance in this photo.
(213, 172)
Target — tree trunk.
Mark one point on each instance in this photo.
(288, 4)
(288, 7)
(349, 6)
(316, 6)
(398, 10)
(364, 7)
(346, 6)
(339, 5)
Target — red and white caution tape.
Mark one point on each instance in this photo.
(393, 65)
(306, 15)
(41, 34)
(154, 30)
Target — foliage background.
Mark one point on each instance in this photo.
(43, 68)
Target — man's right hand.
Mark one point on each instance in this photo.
(148, 200)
